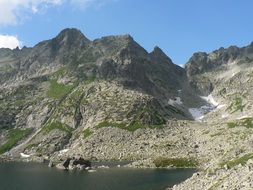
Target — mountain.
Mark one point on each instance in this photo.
(226, 74)
(70, 85)
(224, 140)
(218, 60)
(110, 99)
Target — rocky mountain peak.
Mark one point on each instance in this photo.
(109, 44)
(71, 37)
(158, 51)
(202, 62)
(71, 32)
(123, 45)
(158, 56)
(126, 37)
(68, 42)
(120, 39)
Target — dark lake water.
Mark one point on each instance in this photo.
(33, 176)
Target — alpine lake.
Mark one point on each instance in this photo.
(35, 176)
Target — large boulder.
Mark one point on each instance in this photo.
(74, 163)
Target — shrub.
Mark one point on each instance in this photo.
(52, 125)
(236, 105)
(231, 124)
(245, 122)
(87, 133)
(176, 162)
(242, 160)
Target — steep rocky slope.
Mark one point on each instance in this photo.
(225, 138)
(63, 90)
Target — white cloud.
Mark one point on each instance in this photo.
(14, 11)
(89, 3)
(82, 3)
(11, 11)
(7, 41)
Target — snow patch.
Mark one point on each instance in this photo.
(24, 155)
(199, 113)
(210, 100)
(176, 100)
(196, 113)
(63, 151)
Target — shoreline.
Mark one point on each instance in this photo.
(106, 163)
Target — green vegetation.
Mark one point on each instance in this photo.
(136, 125)
(222, 92)
(57, 90)
(176, 162)
(242, 160)
(76, 94)
(231, 124)
(108, 124)
(151, 114)
(30, 146)
(90, 80)
(87, 133)
(131, 127)
(14, 136)
(245, 122)
(6, 69)
(52, 125)
(60, 73)
(236, 105)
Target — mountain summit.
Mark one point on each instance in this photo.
(70, 38)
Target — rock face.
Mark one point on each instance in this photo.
(64, 89)
(227, 75)
(73, 163)
(202, 63)
(110, 99)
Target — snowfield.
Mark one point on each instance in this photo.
(199, 113)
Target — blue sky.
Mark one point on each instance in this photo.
(179, 27)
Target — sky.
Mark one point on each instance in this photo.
(179, 27)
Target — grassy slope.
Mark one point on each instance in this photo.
(14, 136)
